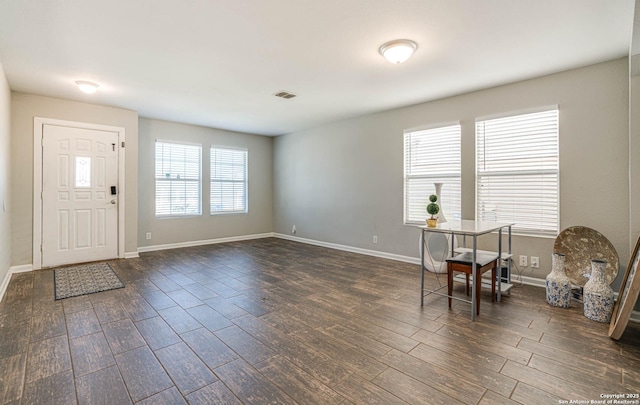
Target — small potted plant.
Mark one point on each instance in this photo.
(433, 208)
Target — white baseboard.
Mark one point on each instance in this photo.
(131, 255)
(7, 278)
(536, 282)
(21, 269)
(368, 252)
(204, 242)
(5, 284)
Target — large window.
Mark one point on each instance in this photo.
(431, 156)
(517, 172)
(178, 175)
(228, 180)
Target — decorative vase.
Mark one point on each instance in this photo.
(597, 295)
(558, 284)
(440, 216)
(432, 223)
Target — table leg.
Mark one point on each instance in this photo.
(451, 252)
(499, 264)
(509, 261)
(422, 269)
(474, 272)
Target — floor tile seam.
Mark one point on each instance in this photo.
(391, 330)
(305, 372)
(566, 382)
(73, 370)
(562, 378)
(350, 346)
(346, 325)
(588, 335)
(102, 368)
(432, 365)
(452, 368)
(615, 353)
(412, 378)
(253, 366)
(126, 386)
(169, 375)
(24, 375)
(571, 354)
(27, 356)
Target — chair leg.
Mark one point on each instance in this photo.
(449, 282)
(478, 284)
(467, 276)
(493, 284)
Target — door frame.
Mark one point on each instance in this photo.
(38, 133)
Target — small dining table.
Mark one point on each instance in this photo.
(474, 229)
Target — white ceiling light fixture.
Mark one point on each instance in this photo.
(87, 87)
(398, 50)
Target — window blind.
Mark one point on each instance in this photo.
(432, 156)
(178, 179)
(517, 172)
(228, 180)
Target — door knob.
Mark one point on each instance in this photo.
(113, 201)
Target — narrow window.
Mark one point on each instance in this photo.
(432, 156)
(517, 172)
(228, 180)
(178, 179)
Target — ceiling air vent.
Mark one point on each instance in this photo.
(284, 94)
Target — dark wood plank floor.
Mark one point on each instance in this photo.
(276, 322)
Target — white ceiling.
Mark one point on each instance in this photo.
(217, 63)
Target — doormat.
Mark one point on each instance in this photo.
(85, 279)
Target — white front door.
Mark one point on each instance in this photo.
(79, 195)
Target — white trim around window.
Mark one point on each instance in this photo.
(228, 180)
(517, 171)
(178, 179)
(432, 155)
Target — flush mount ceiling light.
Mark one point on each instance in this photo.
(398, 50)
(87, 87)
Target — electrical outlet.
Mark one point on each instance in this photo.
(535, 262)
(375, 238)
(148, 235)
(523, 261)
(293, 229)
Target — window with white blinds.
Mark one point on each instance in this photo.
(517, 172)
(178, 179)
(432, 156)
(228, 180)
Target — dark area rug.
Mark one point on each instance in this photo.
(85, 279)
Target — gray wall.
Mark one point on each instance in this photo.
(634, 129)
(343, 182)
(258, 220)
(5, 176)
(24, 107)
(634, 148)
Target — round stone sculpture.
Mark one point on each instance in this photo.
(581, 244)
(597, 294)
(558, 284)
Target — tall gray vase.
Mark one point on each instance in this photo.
(597, 294)
(558, 283)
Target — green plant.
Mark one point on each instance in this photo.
(433, 208)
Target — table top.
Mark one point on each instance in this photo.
(467, 227)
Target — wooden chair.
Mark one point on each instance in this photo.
(463, 263)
